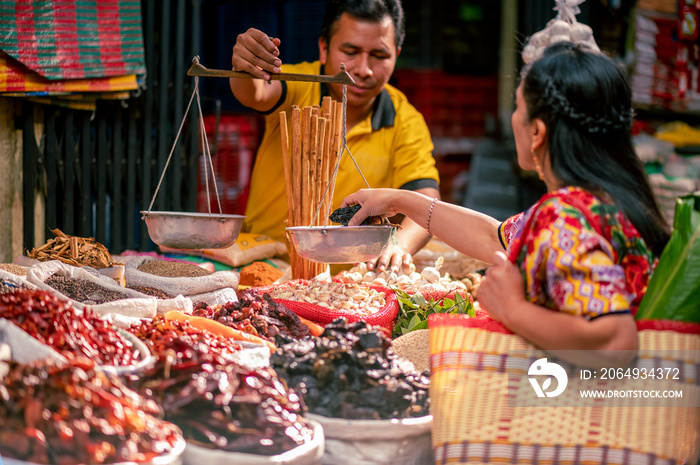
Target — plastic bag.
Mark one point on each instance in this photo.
(306, 454)
(217, 297)
(563, 27)
(365, 442)
(137, 305)
(178, 285)
(674, 288)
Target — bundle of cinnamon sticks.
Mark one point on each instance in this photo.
(73, 250)
(311, 145)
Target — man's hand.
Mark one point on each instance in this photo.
(394, 258)
(502, 289)
(256, 53)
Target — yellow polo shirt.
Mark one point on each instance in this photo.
(392, 147)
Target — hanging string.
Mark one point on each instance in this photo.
(162, 175)
(207, 156)
(343, 149)
(205, 145)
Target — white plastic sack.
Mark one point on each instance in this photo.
(137, 305)
(365, 442)
(115, 272)
(218, 297)
(252, 355)
(186, 286)
(171, 458)
(179, 303)
(309, 453)
(23, 347)
(13, 280)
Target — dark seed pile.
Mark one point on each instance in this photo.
(83, 290)
(153, 291)
(344, 215)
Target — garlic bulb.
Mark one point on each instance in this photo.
(430, 274)
(581, 32)
(560, 28)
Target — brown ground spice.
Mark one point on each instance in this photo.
(170, 269)
(259, 274)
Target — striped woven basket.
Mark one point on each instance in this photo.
(473, 422)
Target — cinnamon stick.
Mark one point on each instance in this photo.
(295, 260)
(313, 166)
(286, 163)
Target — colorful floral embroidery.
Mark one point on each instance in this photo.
(569, 266)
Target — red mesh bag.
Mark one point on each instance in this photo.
(438, 295)
(384, 318)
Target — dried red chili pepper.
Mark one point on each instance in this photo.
(85, 417)
(56, 323)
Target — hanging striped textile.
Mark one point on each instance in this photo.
(63, 39)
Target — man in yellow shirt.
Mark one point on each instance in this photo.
(386, 135)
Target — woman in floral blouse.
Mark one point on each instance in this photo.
(577, 263)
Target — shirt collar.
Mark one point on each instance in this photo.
(383, 113)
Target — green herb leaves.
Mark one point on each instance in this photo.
(415, 309)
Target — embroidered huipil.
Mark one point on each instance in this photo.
(568, 266)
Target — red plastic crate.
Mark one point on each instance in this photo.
(237, 140)
(452, 105)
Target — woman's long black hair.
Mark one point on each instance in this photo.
(584, 99)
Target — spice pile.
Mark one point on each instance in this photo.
(82, 290)
(170, 269)
(348, 372)
(72, 414)
(76, 251)
(358, 298)
(218, 404)
(14, 269)
(152, 291)
(259, 274)
(182, 341)
(258, 315)
(55, 323)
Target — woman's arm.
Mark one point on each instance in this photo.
(468, 231)
(501, 294)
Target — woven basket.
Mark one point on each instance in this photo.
(473, 422)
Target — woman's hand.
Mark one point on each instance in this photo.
(502, 289)
(256, 53)
(374, 203)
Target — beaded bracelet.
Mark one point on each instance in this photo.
(430, 215)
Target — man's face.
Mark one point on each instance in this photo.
(369, 53)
